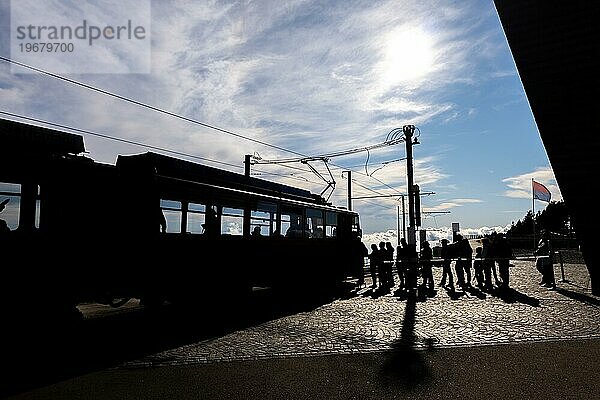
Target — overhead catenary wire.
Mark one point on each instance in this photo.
(340, 153)
(366, 201)
(379, 163)
(385, 163)
(353, 179)
(366, 187)
(288, 176)
(391, 139)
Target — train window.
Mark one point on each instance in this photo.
(262, 222)
(10, 197)
(232, 221)
(314, 223)
(172, 212)
(291, 222)
(264, 218)
(330, 224)
(195, 218)
(285, 223)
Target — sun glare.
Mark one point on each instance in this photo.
(408, 56)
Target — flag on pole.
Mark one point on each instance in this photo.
(540, 191)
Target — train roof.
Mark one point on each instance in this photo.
(18, 139)
(25, 148)
(186, 170)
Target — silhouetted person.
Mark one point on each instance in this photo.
(389, 263)
(412, 263)
(401, 262)
(543, 260)
(256, 231)
(211, 225)
(295, 230)
(478, 267)
(357, 252)
(162, 220)
(503, 253)
(4, 229)
(373, 264)
(446, 260)
(466, 254)
(489, 266)
(364, 253)
(456, 252)
(277, 233)
(425, 260)
(494, 257)
(384, 278)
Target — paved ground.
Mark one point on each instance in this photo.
(452, 345)
(367, 323)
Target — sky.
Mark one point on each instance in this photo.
(314, 78)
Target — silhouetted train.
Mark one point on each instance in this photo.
(155, 228)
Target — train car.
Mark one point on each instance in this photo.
(156, 228)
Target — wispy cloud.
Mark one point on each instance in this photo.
(467, 201)
(452, 203)
(520, 186)
(503, 74)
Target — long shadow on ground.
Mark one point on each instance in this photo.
(579, 296)
(405, 366)
(510, 295)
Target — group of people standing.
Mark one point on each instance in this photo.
(495, 250)
(408, 265)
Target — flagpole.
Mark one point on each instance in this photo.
(533, 212)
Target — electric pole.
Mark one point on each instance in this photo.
(247, 165)
(349, 190)
(408, 131)
(247, 211)
(398, 226)
(403, 218)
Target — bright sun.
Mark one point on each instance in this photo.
(408, 55)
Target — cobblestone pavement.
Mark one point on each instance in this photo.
(367, 323)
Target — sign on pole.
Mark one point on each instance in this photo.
(455, 230)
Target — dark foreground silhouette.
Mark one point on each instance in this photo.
(43, 353)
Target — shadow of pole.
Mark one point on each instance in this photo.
(511, 296)
(579, 297)
(405, 366)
